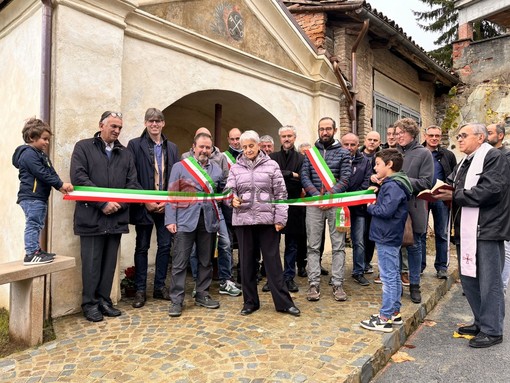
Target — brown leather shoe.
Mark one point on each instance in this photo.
(405, 279)
(139, 301)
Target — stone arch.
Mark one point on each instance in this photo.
(186, 115)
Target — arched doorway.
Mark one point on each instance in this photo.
(201, 108)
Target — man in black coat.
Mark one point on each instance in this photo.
(290, 161)
(154, 157)
(101, 161)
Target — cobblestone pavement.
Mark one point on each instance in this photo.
(324, 344)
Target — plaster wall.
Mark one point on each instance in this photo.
(20, 67)
(87, 80)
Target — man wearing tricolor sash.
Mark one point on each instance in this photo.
(481, 224)
(326, 170)
(194, 222)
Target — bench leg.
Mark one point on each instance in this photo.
(26, 311)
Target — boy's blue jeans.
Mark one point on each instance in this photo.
(389, 268)
(35, 215)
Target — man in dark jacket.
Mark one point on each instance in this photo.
(481, 224)
(290, 162)
(444, 162)
(154, 157)
(317, 182)
(360, 179)
(101, 161)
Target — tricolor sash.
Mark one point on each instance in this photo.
(202, 177)
(230, 159)
(321, 167)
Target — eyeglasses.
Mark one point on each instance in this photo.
(107, 114)
(463, 136)
(154, 121)
(328, 129)
(434, 135)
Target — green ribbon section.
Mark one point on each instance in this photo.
(326, 197)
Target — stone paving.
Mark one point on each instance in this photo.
(324, 344)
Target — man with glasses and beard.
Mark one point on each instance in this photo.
(317, 181)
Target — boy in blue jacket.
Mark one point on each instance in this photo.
(389, 214)
(37, 176)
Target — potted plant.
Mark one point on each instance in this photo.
(128, 282)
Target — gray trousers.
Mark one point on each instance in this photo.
(485, 292)
(183, 244)
(315, 218)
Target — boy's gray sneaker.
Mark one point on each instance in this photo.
(207, 302)
(229, 288)
(339, 294)
(37, 258)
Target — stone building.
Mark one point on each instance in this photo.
(483, 67)
(214, 63)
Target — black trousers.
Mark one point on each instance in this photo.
(98, 262)
(268, 238)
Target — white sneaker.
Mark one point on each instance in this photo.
(229, 288)
(395, 319)
(377, 324)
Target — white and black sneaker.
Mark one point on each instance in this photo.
(376, 323)
(37, 258)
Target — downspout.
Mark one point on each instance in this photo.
(46, 32)
(47, 13)
(354, 73)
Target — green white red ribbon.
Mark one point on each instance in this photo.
(199, 174)
(96, 194)
(339, 199)
(321, 168)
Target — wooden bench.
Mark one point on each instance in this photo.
(26, 303)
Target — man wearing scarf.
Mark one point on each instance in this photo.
(481, 224)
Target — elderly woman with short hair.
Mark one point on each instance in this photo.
(255, 180)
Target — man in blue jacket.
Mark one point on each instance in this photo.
(154, 157)
(193, 222)
(317, 182)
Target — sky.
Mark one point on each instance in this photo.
(400, 11)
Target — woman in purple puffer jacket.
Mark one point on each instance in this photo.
(256, 179)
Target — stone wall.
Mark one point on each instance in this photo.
(484, 95)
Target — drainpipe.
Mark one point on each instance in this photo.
(354, 72)
(218, 114)
(352, 6)
(47, 13)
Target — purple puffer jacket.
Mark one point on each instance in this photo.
(256, 182)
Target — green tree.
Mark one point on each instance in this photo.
(443, 18)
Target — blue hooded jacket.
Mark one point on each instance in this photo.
(36, 174)
(389, 213)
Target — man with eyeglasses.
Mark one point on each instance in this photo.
(154, 156)
(444, 162)
(419, 167)
(481, 224)
(101, 161)
(317, 181)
